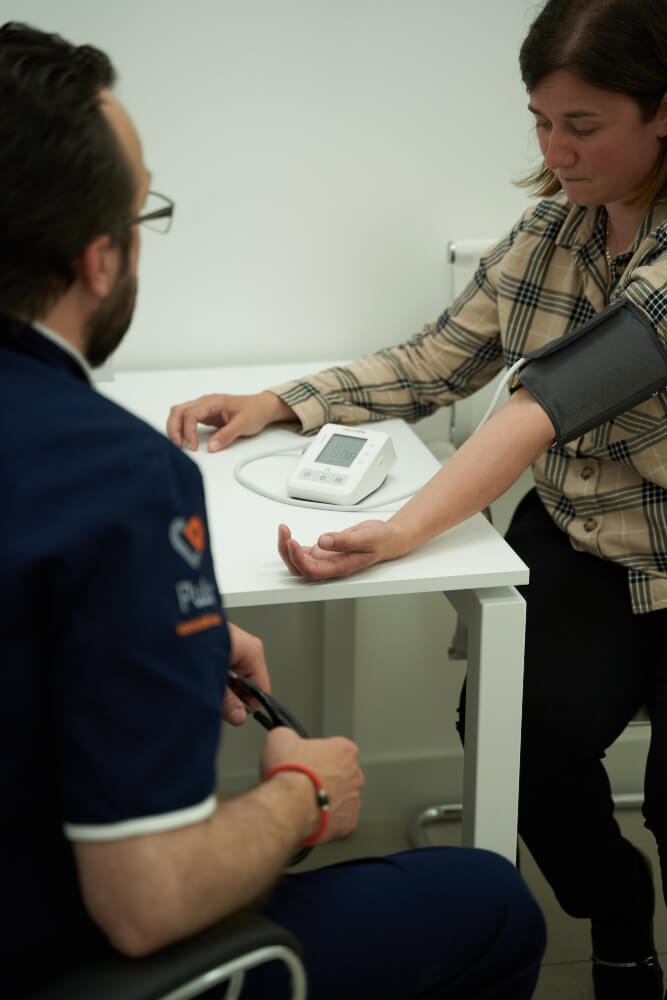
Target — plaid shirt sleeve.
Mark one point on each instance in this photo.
(607, 489)
(447, 360)
(646, 284)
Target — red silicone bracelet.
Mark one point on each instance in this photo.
(322, 797)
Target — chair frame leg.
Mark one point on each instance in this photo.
(234, 972)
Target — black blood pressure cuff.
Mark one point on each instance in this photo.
(602, 368)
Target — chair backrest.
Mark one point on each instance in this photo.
(463, 257)
(448, 429)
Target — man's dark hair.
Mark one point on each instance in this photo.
(64, 178)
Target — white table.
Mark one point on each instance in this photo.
(471, 564)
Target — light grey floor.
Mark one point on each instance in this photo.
(566, 971)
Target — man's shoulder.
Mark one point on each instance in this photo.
(69, 431)
(128, 426)
(128, 443)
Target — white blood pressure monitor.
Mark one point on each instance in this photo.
(342, 465)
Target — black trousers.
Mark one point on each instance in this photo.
(589, 665)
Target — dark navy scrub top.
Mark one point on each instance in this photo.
(113, 647)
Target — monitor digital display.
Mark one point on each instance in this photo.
(341, 449)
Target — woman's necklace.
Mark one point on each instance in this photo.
(607, 251)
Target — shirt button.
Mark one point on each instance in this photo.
(587, 472)
(591, 524)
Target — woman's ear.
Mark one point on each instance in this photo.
(97, 267)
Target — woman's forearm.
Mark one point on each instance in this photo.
(480, 471)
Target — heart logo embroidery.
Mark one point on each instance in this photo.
(188, 538)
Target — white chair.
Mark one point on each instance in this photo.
(448, 428)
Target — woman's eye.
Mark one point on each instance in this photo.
(581, 133)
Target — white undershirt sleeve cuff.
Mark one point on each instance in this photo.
(141, 825)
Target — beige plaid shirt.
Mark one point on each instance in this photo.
(607, 489)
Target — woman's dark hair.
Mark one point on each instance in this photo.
(64, 178)
(617, 45)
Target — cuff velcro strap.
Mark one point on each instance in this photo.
(607, 366)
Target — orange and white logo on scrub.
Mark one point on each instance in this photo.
(188, 538)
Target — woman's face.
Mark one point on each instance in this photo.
(595, 141)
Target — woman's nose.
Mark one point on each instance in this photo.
(558, 151)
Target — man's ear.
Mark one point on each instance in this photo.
(97, 267)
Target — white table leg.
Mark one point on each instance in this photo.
(338, 673)
(496, 622)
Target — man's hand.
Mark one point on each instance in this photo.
(340, 553)
(236, 416)
(247, 659)
(149, 890)
(336, 763)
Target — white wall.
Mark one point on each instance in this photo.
(321, 153)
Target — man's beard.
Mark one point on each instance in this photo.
(109, 323)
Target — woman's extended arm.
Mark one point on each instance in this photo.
(482, 469)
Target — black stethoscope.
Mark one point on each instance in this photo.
(270, 715)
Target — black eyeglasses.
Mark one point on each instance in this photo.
(156, 213)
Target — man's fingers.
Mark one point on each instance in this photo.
(234, 711)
